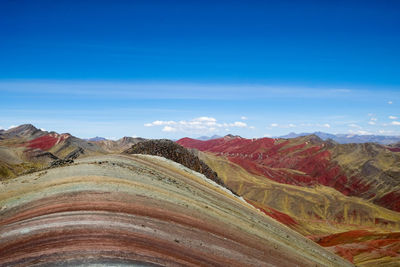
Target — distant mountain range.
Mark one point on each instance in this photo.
(26, 148)
(205, 138)
(349, 138)
(95, 139)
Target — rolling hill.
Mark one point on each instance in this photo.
(349, 138)
(140, 210)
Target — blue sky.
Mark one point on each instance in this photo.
(181, 68)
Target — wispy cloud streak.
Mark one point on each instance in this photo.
(166, 90)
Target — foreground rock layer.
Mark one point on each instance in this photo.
(140, 210)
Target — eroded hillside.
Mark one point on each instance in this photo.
(25, 149)
(369, 171)
(124, 210)
(267, 174)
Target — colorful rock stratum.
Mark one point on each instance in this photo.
(141, 210)
(344, 197)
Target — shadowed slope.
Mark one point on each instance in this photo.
(140, 209)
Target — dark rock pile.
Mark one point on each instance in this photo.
(61, 162)
(75, 154)
(171, 150)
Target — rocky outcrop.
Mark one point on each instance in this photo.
(40, 155)
(75, 154)
(171, 150)
(61, 162)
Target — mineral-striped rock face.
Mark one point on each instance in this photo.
(143, 210)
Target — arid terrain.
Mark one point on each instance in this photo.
(256, 201)
(344, 197)
(26, 149)
(140, 210)
(200, 133)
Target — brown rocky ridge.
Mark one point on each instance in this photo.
(171, 150)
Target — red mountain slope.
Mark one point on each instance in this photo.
(47, 141)
(308, 161)
(276, 159)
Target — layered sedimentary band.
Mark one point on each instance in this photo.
(140, 210)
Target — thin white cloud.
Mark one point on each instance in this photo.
(12, 126)
(243, 118)
(171, 90)
(169, 129)
(373, 119)
(395, 123)
(327, 125)
(360, 132)
(160, 123)
(196, 125)
(252, 127)
(393, 117)
(390, 102)
(283, 126)
(341, 90)
(371, 123)
(238, 124)
(353, 125)
(385, 131)
(306, 124)
(267, 135)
